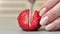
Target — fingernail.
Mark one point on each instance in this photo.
(50, 27)
(44, 20)
(42, 11)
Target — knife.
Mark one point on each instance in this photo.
(32, 2)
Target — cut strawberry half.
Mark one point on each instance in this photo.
(23, 20)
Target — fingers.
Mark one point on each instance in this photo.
(51, 15)
(54, 25)
(48, 5)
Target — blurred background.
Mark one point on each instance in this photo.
(11, 8)
(9, 11)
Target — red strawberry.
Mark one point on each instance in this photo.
(35, 21)
(23, 20)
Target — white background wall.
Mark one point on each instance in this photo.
(11, 8)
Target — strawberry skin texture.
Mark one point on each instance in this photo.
(23, 21)
(35, 21)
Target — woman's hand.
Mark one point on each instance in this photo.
(50, 13)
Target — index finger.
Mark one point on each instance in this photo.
(47, 6)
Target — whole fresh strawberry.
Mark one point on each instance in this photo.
(23, 20)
